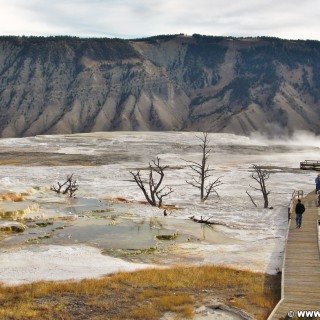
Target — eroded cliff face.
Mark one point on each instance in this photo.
(60, 85)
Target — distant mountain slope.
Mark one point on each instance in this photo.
(202, 83)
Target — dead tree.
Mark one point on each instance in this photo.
(260, 176)
(202, 219)
(202, 171)
(70, 186)
(151, 187)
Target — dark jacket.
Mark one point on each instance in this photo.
(300, 208)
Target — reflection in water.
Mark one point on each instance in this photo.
(117, 233)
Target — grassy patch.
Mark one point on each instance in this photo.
(8, 162)
(145, 294)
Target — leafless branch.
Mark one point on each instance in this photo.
(251, 198)
(154, 195)
(70, 186)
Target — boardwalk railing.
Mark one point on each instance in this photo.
(296, 194)
(300, 280)
(318, 228)
(310, 165)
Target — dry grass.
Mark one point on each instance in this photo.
(8, 162)
(145, 294)
(11, 196)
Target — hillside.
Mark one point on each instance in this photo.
(239, 85)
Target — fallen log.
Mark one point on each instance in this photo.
(202, 219)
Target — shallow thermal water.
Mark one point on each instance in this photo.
(104, 226)
(243, 236)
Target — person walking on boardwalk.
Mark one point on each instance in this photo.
(300, 209)
(317, 181)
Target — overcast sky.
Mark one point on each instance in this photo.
(289, 19)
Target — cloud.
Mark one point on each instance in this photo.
(137, 18)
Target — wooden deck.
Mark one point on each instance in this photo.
(310, 165)
(301, 271)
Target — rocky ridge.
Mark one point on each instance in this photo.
(60, 85)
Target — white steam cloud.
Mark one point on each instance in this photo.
(297, 138)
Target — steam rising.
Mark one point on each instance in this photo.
(297, 138)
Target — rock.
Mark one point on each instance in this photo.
(18, 228)
(44, 223)
(201, 310)
(167, 236)
(10, 226)
(16, 210)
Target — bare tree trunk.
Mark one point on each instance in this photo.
(266, 200)
(203, 172)
(260, 176)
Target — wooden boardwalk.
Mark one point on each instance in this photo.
(310, 165)
(301, 272)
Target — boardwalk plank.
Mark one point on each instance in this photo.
(301, 274)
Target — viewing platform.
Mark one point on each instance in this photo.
(300, 286)
(310, 165)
